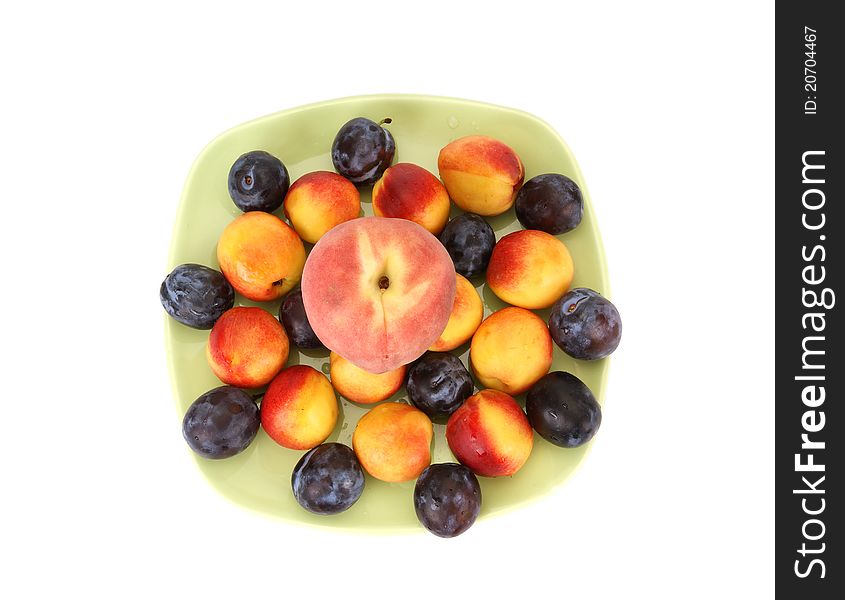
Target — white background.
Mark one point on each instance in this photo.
(670, 112)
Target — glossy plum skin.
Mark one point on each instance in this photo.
(362, 150)
(563, 410)
(196, 295)
(438, 383)
(469, 240)
(221, 423)
(550, 203)
(295, 321)
(328, 479)
(447, 499)
(585, 324)
(258, 181)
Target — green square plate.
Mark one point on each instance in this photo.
(259, 478)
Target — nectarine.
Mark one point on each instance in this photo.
(393, 441)
(318, 201)
(465, 318)
(358, 385)
(247, 347)
(481, 174)
(299, 408)
(530, 269)
(490, 434)
(511, 350)
(407, 191)
(260, 256)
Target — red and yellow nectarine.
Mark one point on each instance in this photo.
(247, 347)
(393, 441)
(260, 256)
(490, 434)
(481, 174)
(511, 350)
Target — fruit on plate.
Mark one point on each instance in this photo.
(447, 499)
(466, 315)
(196, 295)
(221, 423)
(358, 385)
(469, 240)
(328, 479)
(261, 256)
(299, 408)
(362, 150)
(258, 181)
(247, 347)
(511, 350)
(585, 324)
(438, 383)
(393, 442)
(563, 410)
(490, 434)
(295, 321)
(530, 269)
(318, 201)
(407, 191)
(482, 174)
(550, 203)
(378, 291)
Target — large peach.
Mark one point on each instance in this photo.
(511, 350)
(465, 318)
(529, 268)
(358, 385)
(318, 201)
(299, 408)
(481, 174)
(378, 291)
(393, 441)
(407, 191)
(247, 347)
(260, 256)
(490, 434)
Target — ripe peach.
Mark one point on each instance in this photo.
(465, 318)
(481, 174)
(378, 291)
(407, 191)
(529, 268)
(358, 385)
(260, 256)
(299, 409)
(318, 201)
(247, 347)
(393, 441)
(490, 434)
(511, 350)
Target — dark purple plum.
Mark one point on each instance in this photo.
(196, 295)
(328, 479)
(362, 150)
(221, 423)
(469, 240)
(563, 410)
(438, 383)
(585, 324)
(447, 499)
(295, 321)
(550, 203)
(258, 181)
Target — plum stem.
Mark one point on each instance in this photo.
(386, 121)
